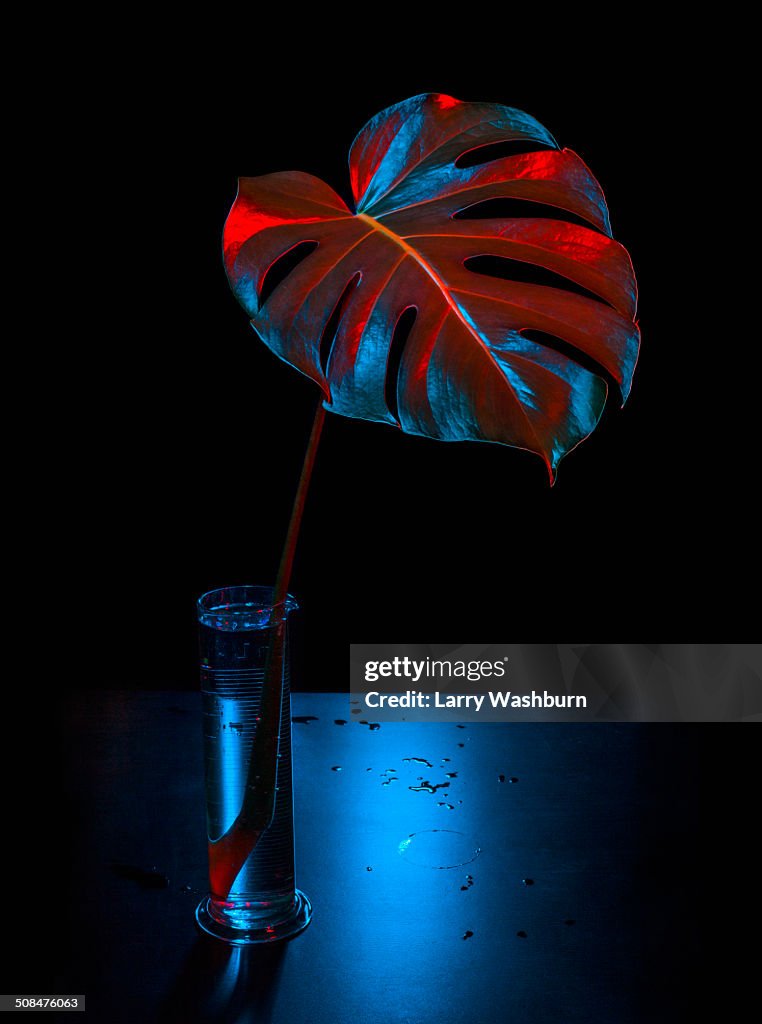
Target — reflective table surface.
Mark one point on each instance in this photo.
(471, 873)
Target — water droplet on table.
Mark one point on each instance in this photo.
(417, 760)
(428, 787)
(521, 935)
(304, 719)
(336, 768)
(501, 778)
(467, 935)
(527, 881)
(339, 721)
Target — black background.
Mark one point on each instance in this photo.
(172, 438)
(181, 435)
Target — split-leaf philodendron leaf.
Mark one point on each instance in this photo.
(486, 359)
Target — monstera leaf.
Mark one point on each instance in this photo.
(486, 358)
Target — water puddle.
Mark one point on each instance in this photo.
(417, 760)
(439, 848)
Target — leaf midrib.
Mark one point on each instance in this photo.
(455, 308)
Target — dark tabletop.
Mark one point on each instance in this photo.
(577, 908)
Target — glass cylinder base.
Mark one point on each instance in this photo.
(280, 926)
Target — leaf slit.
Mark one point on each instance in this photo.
(565, 348)
(281, 267)
(527, 273)
(328, 337)
(498, 151)
(401, 333)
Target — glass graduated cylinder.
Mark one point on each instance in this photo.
(235, 634)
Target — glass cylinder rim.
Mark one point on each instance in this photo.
(252, 598)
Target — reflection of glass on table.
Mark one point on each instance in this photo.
(235, 631)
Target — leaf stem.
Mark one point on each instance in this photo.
(292, 536)
(229, 853)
